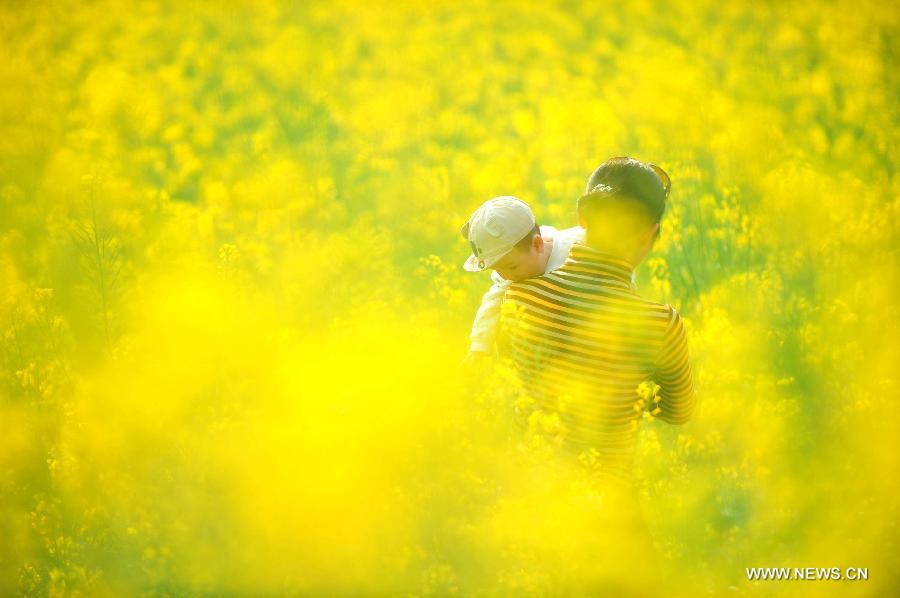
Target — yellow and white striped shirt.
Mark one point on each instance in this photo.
(581, 341)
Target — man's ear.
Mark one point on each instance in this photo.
(654, 234)
(582, 221)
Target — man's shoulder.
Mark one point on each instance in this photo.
(527, 286)
(529, 282)
(655, 306)
(662, 312)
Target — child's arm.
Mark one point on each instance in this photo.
(485, 325)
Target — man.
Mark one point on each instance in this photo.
(582, 341)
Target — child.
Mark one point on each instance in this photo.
(504, 237)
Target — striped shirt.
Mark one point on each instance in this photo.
(581, 341)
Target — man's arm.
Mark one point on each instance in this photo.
(673, 374)
(484, 327)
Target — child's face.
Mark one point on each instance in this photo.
(518, 264)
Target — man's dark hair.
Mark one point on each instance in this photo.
(647, 183)
(525, 242)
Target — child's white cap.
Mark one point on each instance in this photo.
(494, 229)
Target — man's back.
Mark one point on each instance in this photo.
(581, 341)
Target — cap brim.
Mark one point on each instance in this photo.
(480, 264)
(474, 264)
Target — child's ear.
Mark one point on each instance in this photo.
(538, 243)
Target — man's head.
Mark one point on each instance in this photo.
(504, 236)
(622, 207)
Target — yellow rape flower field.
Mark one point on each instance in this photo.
(233, 306)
